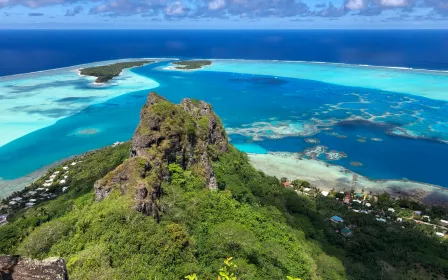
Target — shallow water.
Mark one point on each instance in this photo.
(269, 113)
(33, 101)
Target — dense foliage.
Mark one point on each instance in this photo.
(270, 231)
(191, 64)
(106, 73)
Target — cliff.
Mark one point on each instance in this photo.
(188, 134)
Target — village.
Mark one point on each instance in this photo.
(50, 186)
(384, 208)
(54, 183)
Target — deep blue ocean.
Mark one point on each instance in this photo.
(23, 51)
(392, 158)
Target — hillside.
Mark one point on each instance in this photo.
(179, 200)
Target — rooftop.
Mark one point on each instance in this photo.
(337, 219)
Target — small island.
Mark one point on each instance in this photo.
(191, 64)
(106, 73)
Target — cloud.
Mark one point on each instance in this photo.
(176, 9)
(243, 9)
(373, 11)
(332, 11)
(202, 8)
(266, 8)
(35, 3)
(130, 7)
(73, 12)
(394, 3)
(35, 14)
(355, 4)
(439, 6)
(216, 4)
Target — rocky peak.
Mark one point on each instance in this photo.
(189, 134)
(18, 268)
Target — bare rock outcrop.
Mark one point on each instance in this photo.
(18, 268)
(189, 134)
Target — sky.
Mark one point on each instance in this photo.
(225, 14)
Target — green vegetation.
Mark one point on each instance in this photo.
(271, 231)
(106, 73)
(191, 64)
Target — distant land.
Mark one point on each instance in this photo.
(106, 73)
(191, 64)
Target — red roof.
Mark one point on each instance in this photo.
(287, 184)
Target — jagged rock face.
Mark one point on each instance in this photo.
(18, 268)
(189, 134)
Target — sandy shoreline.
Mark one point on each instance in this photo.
(328, 177)
(7, 187)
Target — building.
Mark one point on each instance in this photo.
(325, 193)
(368, 205)
(391, 210)
(346, 232)
(381, 220)
(286, 184)
(3, 219)
(337, 219)
(440, 234)
(444, 222)
(417, 213)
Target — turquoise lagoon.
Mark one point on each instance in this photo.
(393, 121)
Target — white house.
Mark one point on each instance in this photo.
(440, 234)
(368, 204)
(391, 210)
(325, 193)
